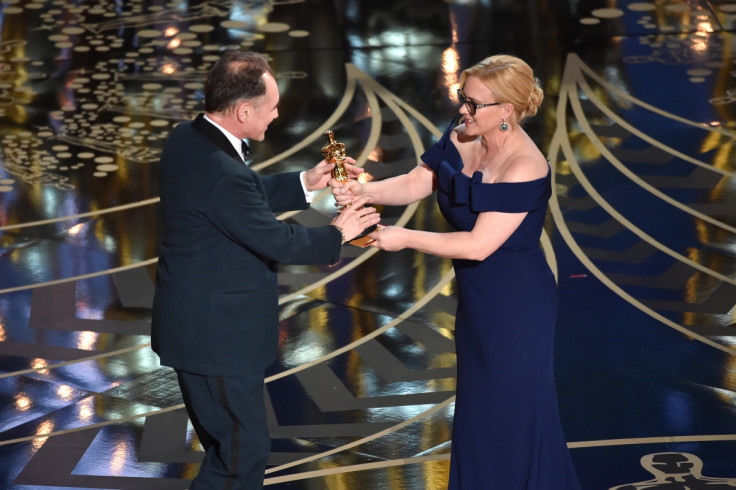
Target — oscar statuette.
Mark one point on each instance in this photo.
(334, 152)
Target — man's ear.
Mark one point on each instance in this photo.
(243, 111)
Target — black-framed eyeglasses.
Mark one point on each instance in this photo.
(470, 105)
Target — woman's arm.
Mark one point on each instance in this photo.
(491, 230)
(400, 190)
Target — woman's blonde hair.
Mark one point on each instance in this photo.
(512, 80)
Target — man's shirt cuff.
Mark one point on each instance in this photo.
(308, 195)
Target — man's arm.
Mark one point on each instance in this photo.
(238, 208)
(285, 192)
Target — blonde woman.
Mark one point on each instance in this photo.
(493, 185)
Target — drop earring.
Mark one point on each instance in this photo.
(503, 126)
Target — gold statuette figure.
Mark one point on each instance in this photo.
(334, 152)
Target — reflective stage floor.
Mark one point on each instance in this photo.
(638, 125)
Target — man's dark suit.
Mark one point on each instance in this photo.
(215, 312)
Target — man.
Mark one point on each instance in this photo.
(215, 311)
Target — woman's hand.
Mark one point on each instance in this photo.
(346, 192)
(389, 238)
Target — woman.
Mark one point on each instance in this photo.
(493, 186)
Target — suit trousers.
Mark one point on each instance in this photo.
(229, 417)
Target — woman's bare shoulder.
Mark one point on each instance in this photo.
(525, 167)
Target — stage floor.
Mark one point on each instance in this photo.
(638, 125)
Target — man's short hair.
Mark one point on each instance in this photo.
(237, 76)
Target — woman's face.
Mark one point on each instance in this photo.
(477, 93)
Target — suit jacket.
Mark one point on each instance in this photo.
(215, 309)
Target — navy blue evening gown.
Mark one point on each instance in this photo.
(507, 433)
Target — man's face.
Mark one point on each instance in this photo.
(263, 111)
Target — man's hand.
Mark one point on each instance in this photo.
(318, 177)
(354, 219)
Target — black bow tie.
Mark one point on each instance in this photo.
(245, 148)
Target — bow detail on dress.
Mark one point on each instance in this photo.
(509, 197)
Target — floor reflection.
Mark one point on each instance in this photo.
(638, 124)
